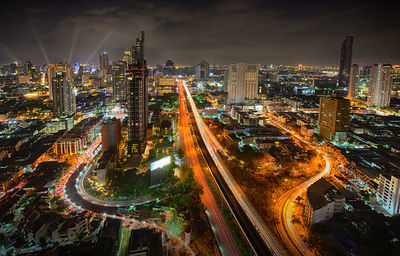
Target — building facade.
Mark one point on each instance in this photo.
(381, 79)
(242, 82)
(202, 71)
(388, 194)
(345, 61)
(119, 81)
(137, 98)
(60, 87)
(334, 118)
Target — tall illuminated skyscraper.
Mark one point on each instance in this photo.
(137, 98)
(60, 82)
(119, 81)
(345, 61)
(51, 74)
(242, 82)
(380, 86)
(334, 118)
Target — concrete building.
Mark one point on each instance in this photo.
(75, 140)
(334, 118)
(202, 71)
(60, 89)
(381, 79)
(242, 82)
(111, 135)
(323, 201)
(388, 194)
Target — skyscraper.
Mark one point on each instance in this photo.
(353, 84)
(202, 71)
(242, 82)
(137, 98)
(119, 81)
(60, 84)
(334, 118)
(345, 62)
(381, 79)
(104, 61)
(359, 82)
(51, 73)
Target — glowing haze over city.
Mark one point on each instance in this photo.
(199, 128)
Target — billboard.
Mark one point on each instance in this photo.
(160, 163)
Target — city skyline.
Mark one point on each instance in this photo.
(221, 32)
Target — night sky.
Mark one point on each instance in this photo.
(221, 32)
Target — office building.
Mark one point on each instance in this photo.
(334, 118)
(51, 73)
(202, 71)
(242, 82)
(137, 98)
(359, 82)
(381, 79)
(388, 194)
(60, 84)
(104, 65)
(353, 83)
(345, 61)
(396, 81)
(119, 81)
(111, 135)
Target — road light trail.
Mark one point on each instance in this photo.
(224, 238)
(213, 146)
(284, 208)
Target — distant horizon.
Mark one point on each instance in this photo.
(222, 31)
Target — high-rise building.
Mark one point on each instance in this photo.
(354, 78)
(60, 84)
(119, 81)
(381, 79)
(345, 62)
(137, 98)
(111, 135)
(242, 82)
(202, 71)
(334, 118)
(104, 65)
(396, 80)
(359, 82)
(51, 73)
(388, 194)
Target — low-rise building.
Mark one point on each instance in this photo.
(323, 201)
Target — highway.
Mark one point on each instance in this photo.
(223, 236)
(259, 236)
(284, 209)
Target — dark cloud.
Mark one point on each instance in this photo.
(278, 32)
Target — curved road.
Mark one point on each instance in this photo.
(284, 209)
(85, 195)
